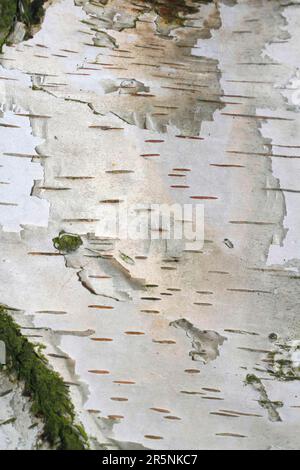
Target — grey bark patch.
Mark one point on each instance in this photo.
(205, 343)
(18, 33)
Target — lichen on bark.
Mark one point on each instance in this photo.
(48, 393)
(175, 11)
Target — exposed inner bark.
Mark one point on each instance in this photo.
(176, 9)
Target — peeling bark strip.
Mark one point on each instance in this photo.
(49, 396)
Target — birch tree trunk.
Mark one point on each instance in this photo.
(117, 104)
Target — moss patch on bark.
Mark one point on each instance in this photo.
(28, 12)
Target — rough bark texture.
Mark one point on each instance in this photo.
(115, 101)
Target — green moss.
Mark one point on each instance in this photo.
(67, 242)
(29, 12)
(252, 379)
(266, 403)
(49, 395)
